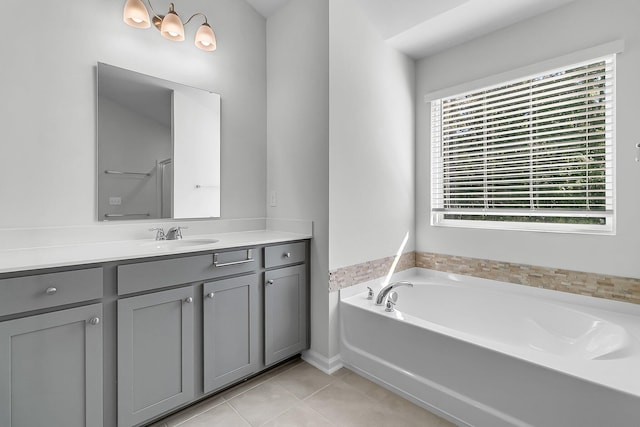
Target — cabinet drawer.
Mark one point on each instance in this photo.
(146, 276)
(49, 290)
(290, 253)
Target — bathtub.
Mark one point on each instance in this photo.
(485, 353)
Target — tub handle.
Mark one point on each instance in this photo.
(370, 294)
(391, 302)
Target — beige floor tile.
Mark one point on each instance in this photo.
(300, 415)
(369, 388)
(244, 387)
(263, 402)
(303, 380)
(193, 411)
(274, 399)
(340, 373)
(407, 414)
(260, 379)
(345, 405)
(220, 416)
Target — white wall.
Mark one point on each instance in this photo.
(579, 25)
(298, 137)
(371, 189)
(196, 150)
(47, 114)
(340, 142)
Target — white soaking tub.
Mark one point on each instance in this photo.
(486, 353)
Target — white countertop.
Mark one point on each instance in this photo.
(13, 260)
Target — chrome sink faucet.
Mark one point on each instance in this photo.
(382, 295)
(175, 233)
(159, 233)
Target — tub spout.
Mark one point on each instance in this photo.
(382, 295)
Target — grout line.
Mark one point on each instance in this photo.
(203, 412)
(281, 413)
(239, 414)
(317, 391)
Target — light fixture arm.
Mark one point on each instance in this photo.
(172, 9)
(194, 15)
(154, 11)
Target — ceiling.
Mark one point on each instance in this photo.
(421, 28)
(267, 7)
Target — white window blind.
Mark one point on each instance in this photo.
(538, 150)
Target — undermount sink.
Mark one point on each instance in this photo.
(178, 244)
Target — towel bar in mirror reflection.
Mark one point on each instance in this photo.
(127, 215)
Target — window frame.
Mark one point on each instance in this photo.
(561, 64)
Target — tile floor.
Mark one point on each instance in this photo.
(299, 395)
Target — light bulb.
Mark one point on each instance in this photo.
(205, 38)
(172, 27)
(135, 14)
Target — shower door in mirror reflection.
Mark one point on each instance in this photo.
(158, 148)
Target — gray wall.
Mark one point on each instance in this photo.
(579, 25)
(47, 80)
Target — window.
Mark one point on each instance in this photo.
(534, 153)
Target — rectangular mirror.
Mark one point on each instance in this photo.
(158, 148)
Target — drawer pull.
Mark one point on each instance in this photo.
(51, 291)
(226, 264)
(188, 300)
(210, 295)
(94, 321)
(269, 282)
(287, 255)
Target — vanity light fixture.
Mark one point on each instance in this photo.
(170, 25)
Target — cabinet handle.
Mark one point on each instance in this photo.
(269, 282)
(249, 258)
(188, 300)
(94, 321)
(287, 255)
(210, 295)
(51, 291)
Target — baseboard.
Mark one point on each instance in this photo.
(326, 365)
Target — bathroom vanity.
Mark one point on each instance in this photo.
(128, 339)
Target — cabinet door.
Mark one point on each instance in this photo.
(231, 322)
(285, 313)
(51, 369)
(155, 354)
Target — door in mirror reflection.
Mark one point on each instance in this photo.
(158, 148)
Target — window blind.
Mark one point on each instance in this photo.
(538, 149)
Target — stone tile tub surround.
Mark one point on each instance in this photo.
(589, 284)
(370, 270)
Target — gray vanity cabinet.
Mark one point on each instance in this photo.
(285, 313)
(231, 321)
(51, 369)
(155, 354)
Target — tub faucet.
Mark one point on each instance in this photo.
(382, 295)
